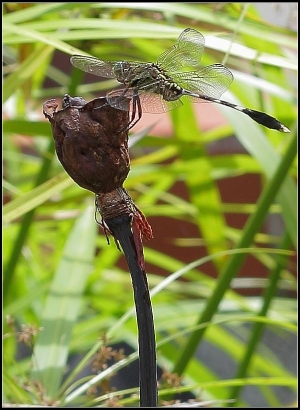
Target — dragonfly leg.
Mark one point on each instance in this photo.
(135, 113)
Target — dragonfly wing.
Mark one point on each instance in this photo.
(121, 99)
(155, 104)
(191, 35)
(126, 99)
(94, 66)
(186, 52)
(211, 81)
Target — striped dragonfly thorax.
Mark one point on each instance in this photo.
(147, 77)
(164, 84)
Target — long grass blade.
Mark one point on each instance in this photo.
(63, 304)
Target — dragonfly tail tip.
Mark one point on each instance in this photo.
(283, 128)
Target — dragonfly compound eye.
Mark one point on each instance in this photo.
(121, 68)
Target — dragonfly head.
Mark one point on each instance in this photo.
(122, 70)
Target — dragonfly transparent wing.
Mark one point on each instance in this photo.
(186, 52)
(94, 66)
(121, 99)
(155, 104)
(126, 99)
(211, 81)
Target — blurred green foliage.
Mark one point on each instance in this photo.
(59, 273)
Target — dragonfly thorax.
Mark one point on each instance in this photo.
(162, 83)
(147, 77)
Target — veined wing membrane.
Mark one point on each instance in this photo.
(149, 102)
(186, 52)
(211, 81)
(94, 66)
(155, 104)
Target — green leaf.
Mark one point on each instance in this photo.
(62, 307)
(20, 206)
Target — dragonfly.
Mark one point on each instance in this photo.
(158, 87)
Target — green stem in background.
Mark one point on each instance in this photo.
(258, 327)
(233, 265)
(241, 19)
(9, 270)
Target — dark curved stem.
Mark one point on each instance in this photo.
(120, 227)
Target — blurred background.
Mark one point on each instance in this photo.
(197, 173)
